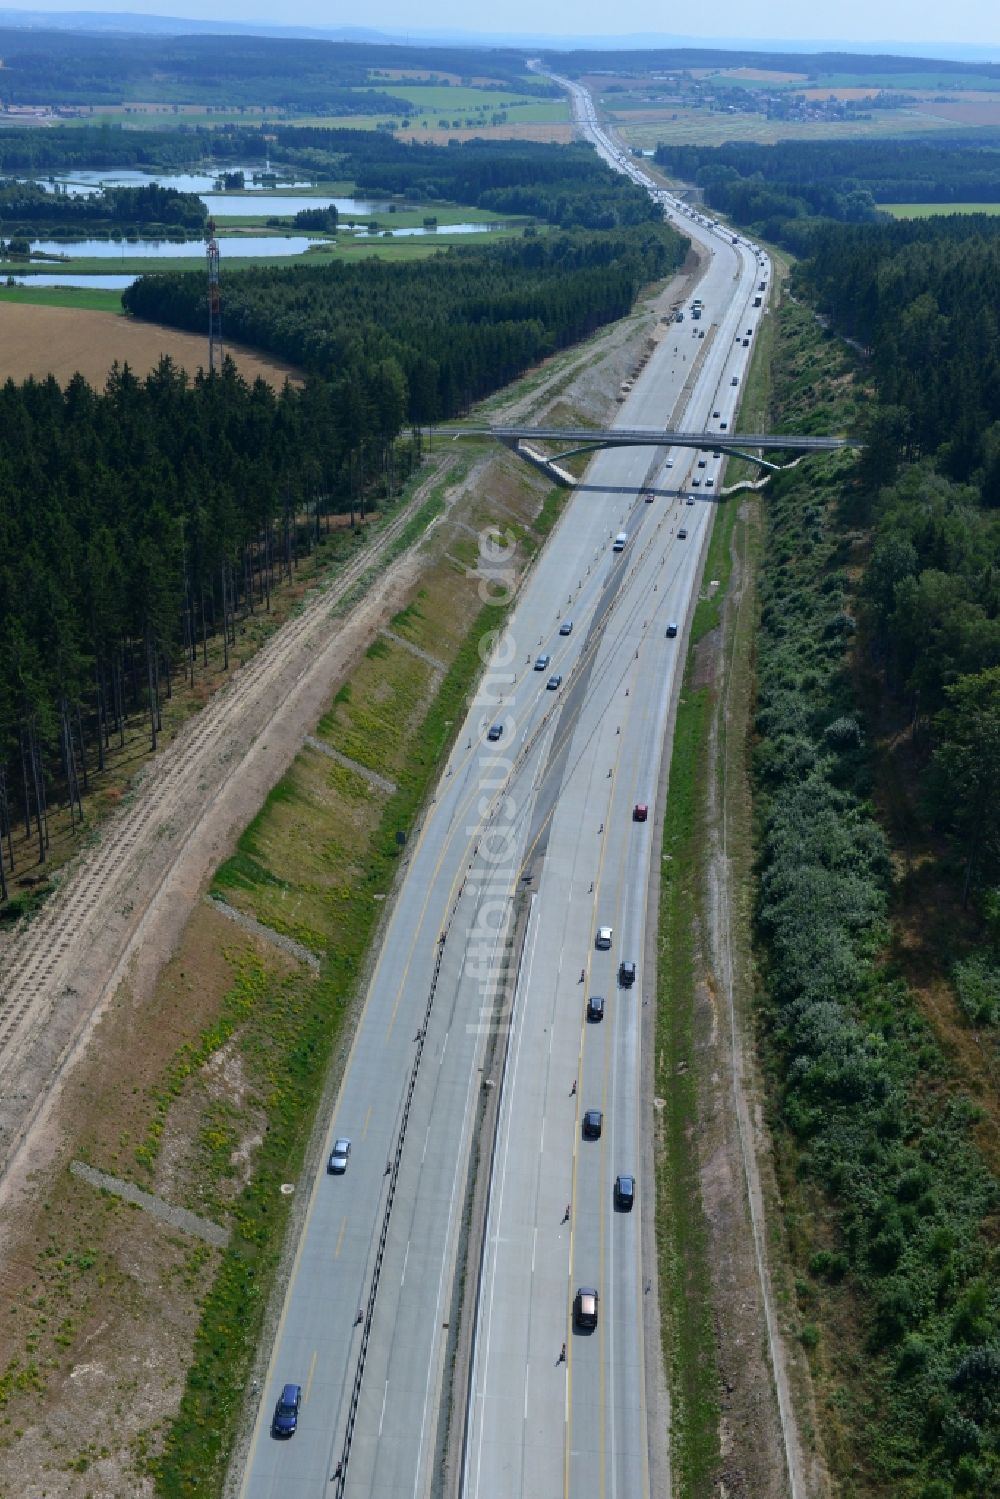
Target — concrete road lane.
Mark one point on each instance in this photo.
(537, 1425)
(596, 871)
(318, 1342)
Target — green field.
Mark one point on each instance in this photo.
(437, 100)
(531, 112)
(431, 104)
(910, 83)
(99, 300)
(933, 210)
(917, 82)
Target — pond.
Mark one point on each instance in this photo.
(247, 246)
(99, 283)
(232, 246)
(251, 201)
(449, 229)
(235, 205)
(87, 180)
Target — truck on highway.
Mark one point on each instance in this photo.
(620, 542)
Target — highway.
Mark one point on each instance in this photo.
(370, 1305)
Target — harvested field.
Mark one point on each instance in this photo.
(560, 134)
(844, 94)
(760, 75)
(60, 341)
(980, 112)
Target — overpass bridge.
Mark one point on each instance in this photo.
(748, 445)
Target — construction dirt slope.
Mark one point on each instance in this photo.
(63, 341)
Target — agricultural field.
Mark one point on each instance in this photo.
(473, 108)
(714, 105)
(933, 210)
(647, 128)
(60, 340)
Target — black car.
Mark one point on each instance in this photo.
(624, 1193)
(286, 1413)
(593, 1123)
(595, 1007)
(626, 975)
(585, 1304)
(496, 730)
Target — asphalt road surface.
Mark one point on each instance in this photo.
(371, 1298)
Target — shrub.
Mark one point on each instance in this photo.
(977, 985)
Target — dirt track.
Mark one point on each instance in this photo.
(60, 341)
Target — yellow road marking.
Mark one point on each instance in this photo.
(309, 1377)
(340, 1238)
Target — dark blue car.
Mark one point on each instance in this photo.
(286, 1412)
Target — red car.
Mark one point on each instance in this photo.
(640, 812)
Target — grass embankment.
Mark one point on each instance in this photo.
(686, 1305)
(317, 862)
(890, 1206)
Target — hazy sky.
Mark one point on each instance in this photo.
(912, 21)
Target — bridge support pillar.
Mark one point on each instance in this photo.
(546, 466)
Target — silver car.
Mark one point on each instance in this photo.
(339, 1156)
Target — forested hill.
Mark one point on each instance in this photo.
(454, 327)
(53, 67)
(810, 64)
(763, 187)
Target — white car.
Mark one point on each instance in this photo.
(604, 935)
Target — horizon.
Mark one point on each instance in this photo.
(877, 27)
